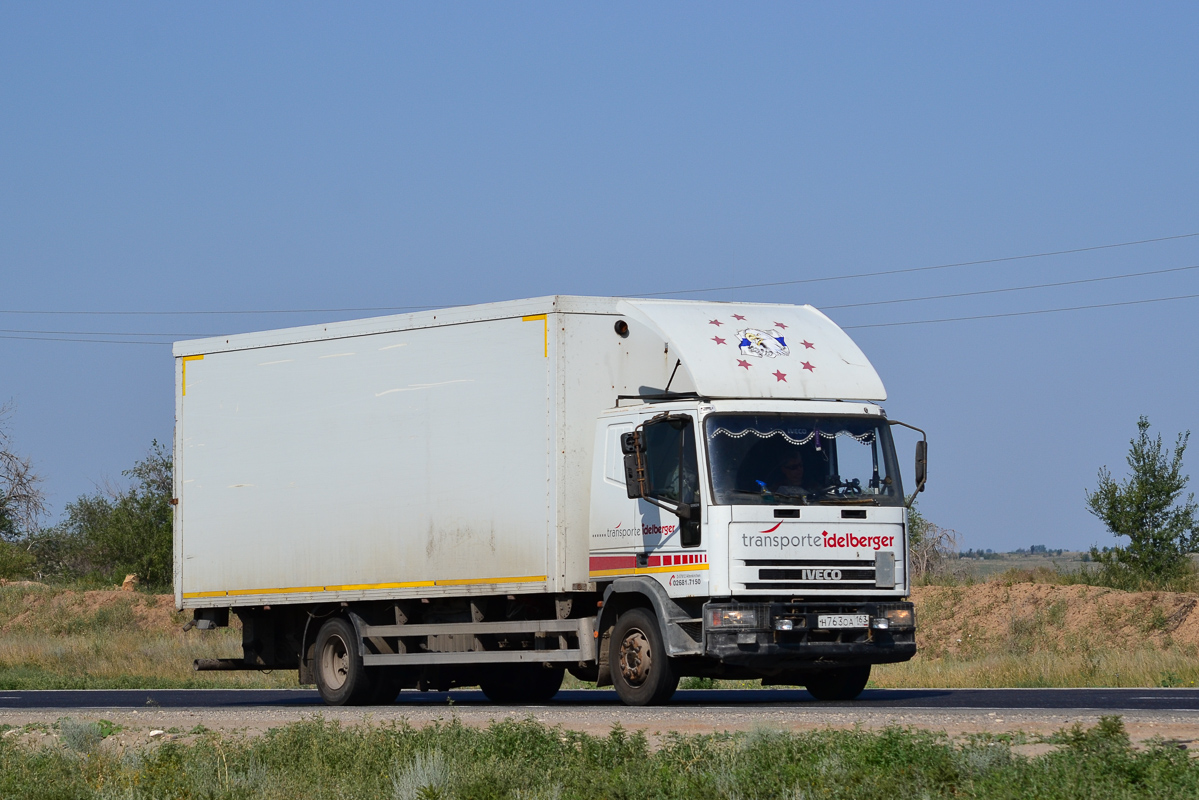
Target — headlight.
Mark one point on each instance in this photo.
(900, 617)
(733, 618)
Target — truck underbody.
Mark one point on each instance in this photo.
(518, 647)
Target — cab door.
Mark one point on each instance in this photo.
(672, 548)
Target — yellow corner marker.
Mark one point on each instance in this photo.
(185, 360)
(537, 318)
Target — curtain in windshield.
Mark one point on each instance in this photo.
(792, 459)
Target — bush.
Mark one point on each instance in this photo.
(22, 501)
(932, 550)
(109, 535)
(1145, 509)
(15, 561)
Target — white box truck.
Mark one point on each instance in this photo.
(631, 490)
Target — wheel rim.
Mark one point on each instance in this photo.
(335, 662)
(636, 660)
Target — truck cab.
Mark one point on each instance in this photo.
(775, 528)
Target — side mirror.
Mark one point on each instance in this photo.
(634, 464)
(921, 464)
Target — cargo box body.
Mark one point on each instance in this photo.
(426, 454)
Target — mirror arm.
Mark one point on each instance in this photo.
(923, 438)
(680, 510)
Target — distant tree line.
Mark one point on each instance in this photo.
(103, 536)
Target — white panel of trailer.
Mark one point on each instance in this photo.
(383, 459)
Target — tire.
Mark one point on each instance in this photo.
(641, 671)
(844, 683)
(341, 678)
(386, 683)
(521, 683)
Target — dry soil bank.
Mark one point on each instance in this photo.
(987, 634)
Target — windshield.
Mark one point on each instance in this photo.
(796, 459)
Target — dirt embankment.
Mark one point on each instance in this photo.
(947, 615)
(1027, 617)
(951, 619)
(32, 607)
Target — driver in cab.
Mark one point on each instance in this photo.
(792, 482)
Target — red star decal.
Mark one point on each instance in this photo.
(782, 376)
(780, 325)
(808, 367)
(738, 316)
(808, 345)
(715, 322)
(718, 340)
(745, 364)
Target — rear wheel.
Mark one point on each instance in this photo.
(340, 676)
(844, 683)
(386, 683)
(641, 671)
(521, 683)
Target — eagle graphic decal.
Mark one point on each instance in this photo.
(759, 343)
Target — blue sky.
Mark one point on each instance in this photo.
(305, 156)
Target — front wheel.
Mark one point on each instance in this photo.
(843, 683)
(641, 671)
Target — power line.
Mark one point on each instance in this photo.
(92, 341)
(199, 313)
(919, 269)
(1020, 313)
(843, 327)
(1012, 288)
(106, 333)
(180, 335)
(650, 294)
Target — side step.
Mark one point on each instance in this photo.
(583, 628)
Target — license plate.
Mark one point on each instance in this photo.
(843, 621)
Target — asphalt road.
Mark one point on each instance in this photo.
(872, 699)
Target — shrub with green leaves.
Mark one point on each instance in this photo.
(1145, 509)
(109, 535)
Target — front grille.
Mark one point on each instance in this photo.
(796, 562)
(777, 574)
(812, 574)
(792, 585)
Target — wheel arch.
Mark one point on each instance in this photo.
(645, 592)
(312, 626)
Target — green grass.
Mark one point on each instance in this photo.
(318, 759)
(52, 638)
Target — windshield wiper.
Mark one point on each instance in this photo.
(848, 501)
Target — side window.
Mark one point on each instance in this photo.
(672, 469)
(613, 455)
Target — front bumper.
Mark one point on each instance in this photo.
(762, 648)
